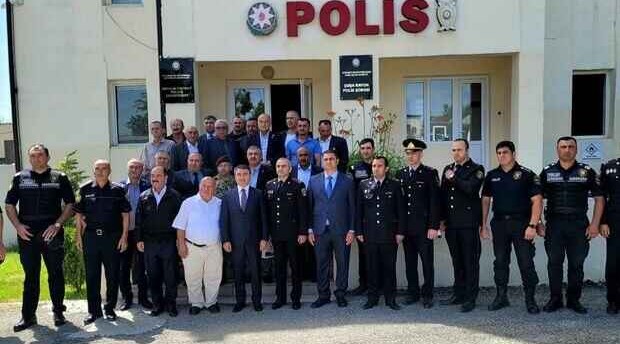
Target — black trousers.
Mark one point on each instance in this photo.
(363, 265)
(381, 262)
(161, 268)
(464, 245)
(133, 269)
(506, 234)
(612, 265)
(329, 245)
(286, 253)
(419, 245)
(308, 261)
(98, 250)
(247, 256)
(53, 253)
(566, 236)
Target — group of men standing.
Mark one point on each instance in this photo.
(291, 190)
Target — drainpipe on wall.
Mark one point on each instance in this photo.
(160, 53)
(13, 85)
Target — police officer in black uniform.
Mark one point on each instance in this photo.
(610, 229)
(517, 207)
(566, 186)
(40, 192)
(379, 218)
(359, 171)
(462, 215)
(102, 221)
(287, 218)
(422, 202)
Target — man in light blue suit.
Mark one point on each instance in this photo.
(331, 231)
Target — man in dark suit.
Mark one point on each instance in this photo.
(251, 127)
(187, 181)
(335, 143)
(260, 173)
(422, 202)
(331, 230)
(379, 224)
(286, 201)
(219, 146)
(461, 217)
(271, 144)
(243, 224)
(183, 149)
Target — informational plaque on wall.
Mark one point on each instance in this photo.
(176, 80)
(355, 77)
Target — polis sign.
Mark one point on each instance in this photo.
(336, 17)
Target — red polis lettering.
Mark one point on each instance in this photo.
(302, 12)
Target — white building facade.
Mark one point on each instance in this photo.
(87, 75)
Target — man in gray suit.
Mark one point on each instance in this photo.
(332, 202)
(244, 233)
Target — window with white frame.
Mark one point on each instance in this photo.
(129, 112)
(126, 2)
(590, 103)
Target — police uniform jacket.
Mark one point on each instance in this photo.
(102, 207)
(421, 198)
(379, 211)
(512, 191)
(460, 196)
(287, 209)
(567, 191)
(610, 185)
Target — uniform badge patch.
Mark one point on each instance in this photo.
(582, 172)
(449, 173)
(303, 192)
(517, 175)
(480, 174)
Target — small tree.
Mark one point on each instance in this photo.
(74, 261)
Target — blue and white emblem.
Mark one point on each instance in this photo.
(262, 19)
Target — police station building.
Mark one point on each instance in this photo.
(90, 75)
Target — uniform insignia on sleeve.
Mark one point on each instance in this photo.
(517, 175)
(479, 174)
(582, 172)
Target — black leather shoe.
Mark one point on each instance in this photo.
(468, 306)
(172, 311)
(277, 305)
(341, 301)
(553, 305)
(453, 300)
(296, 305)
(361, 290)
(146, 304)
(393, 306)
(612, 308)
(369, 305)
(500, 301)
(24, 324)
(530, 305)
(258, 307)
(59, 319)
(193, 310)
(214, 308)
(411, 299)
(320, 303)
(90, 318)
(577, 307)
(126, 305)
(156, 312)
(427, 302)
(109, 315)
(238, 307)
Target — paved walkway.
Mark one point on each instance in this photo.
(413, 324)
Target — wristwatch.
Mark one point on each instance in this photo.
(57, 225)
(532, 225)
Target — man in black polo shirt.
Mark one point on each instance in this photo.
(40, 192)
(567, 184)
(517, 206)
(157, 208)
(102, 222)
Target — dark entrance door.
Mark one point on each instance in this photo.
(283, 99)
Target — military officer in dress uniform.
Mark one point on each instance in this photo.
(379, 218)
(566, 186)
(517, 207)
(461, 214)
(359, 171)
(102, 226)
(422, 202)
(287, 210)
(610, 229)
(40, 192)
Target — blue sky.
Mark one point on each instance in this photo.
(5, 96)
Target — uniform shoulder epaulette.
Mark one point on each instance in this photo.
(295, 180)
(548, 166)
(429, 168)
(586, 166)
(115, 184)
(366, 181)
(86, 183)
(525, 169)
(22, 173)
(272, 181)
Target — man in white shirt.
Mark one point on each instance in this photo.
(198, 241)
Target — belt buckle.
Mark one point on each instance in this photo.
(99, 232)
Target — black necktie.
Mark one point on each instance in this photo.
(279, 185)
(378, 184)
(195, 178)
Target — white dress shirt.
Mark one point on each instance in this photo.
(192, 148)
(200, 220)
